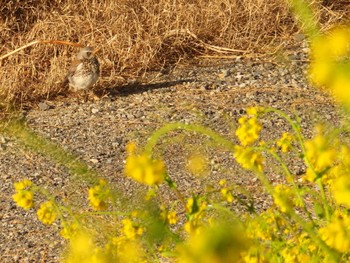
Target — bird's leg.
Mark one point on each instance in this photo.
(86, 96)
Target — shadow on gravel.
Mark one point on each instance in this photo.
(135, 88)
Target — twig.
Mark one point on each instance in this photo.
(217, 49)
(41, 42)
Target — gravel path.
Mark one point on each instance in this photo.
(213, 93)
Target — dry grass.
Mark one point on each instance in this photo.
(134, 36)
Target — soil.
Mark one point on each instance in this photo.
(210, 92)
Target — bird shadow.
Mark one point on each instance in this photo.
(135, 88)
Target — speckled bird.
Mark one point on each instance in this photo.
(84, 71)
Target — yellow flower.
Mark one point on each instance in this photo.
(168, 216)
(98, 195)
(285, 142)
(220, 243)
(248, 131)
(172, 218)
(83, 249)
(341, 190)
(195, 209)
(282, 197)
(131, 148)
(329, 66)
(222, 182)
(145, 170)
(294, 255)
(130, 231)
(24, 199)
(337, 233)
(24, 196)
(227, 194)
(194, 205)
(321, 154)
(255, 110)
(248, 158)
(21, 185)
(69, 230)
(47, 213)
(126, 250)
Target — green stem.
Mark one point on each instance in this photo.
(17, 129)
(324, 199)
(114, 213)
(153, 140)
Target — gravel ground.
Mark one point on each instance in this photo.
(209, 92)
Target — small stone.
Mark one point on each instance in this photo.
(299, 37)
(43, 106)
(224, 73)
(94, 161)
(2, 140)
(94, 111)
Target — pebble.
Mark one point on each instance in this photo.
(43, 106)
(94, 161)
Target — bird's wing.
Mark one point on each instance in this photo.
(73, 67)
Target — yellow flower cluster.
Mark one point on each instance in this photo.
(267, 226)
(321, 155)
(330, 65)
(142, 168)
(284, 197)
(225, 191)
(125, 250)
(285, 142)
(24, 196)
(336, 234)
(168, 216)
(98, 195)
(172, 217)
(339, 177)
(248, 131)
(47, 213)
(341, 189)
(83, 248)
(69, 229)
(249, 158)
(219, 243)
(130, 230)
(195, 209)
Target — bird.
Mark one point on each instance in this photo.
(84, 71)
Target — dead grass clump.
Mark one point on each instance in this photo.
(134, 36)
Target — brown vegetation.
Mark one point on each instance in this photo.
(134, 36)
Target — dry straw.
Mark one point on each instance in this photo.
(131, 37)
